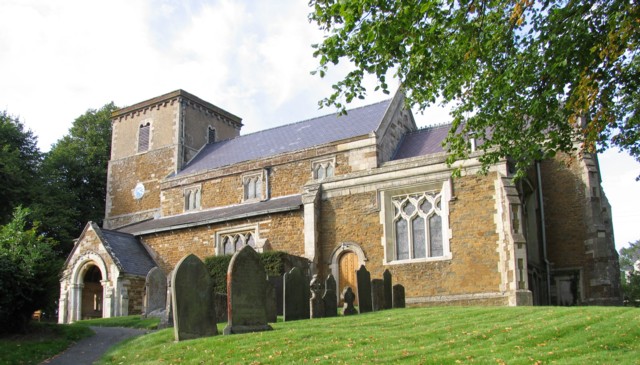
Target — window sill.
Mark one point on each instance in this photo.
(419, 261)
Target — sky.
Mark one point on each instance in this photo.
(252, 58)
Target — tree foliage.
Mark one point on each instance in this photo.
(76, 175)
(630, 276)
(19, 162)
(29, 270)
(526, 77)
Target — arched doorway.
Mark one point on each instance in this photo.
(348, 264)
(92, 293)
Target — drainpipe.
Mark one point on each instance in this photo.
(544, 233)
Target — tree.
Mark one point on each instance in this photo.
(630, 272)
(19, 162)
(76, 174)
(526, 77)
(28, 272)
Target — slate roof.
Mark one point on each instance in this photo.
(422, 142)
(128, 252)
(288, 138)
(275, 205)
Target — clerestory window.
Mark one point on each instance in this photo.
(231, 243)
(252, 186)
(323, 168)
(192, 196)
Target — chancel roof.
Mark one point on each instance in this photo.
(128, 252)
(288, 138)
(422, 142)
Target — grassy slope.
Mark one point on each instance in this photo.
(41, 342)
(445, 335)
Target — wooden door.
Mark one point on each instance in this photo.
(348, 266)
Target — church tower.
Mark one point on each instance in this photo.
(155, 139)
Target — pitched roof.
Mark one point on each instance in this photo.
(288, 138)
(227, 213)
(127, 251)
(422, 142)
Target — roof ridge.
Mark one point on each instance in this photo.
(429, 127)
(302, 121)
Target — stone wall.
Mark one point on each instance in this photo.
(136, 293)
(282, 232)
(471, 273)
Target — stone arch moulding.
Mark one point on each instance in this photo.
(76, 284)
(334, 264)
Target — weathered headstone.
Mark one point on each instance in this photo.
(194, 312)
(348, 297)
(330, 297)
(377, 294)
(296, 296)
(316, 303)
(277, 283)
(398, 296)
(246, 293)
(363, 280)
(221, 306)
(155, 298)
(272, 303)
(388, 289)
(166, 320)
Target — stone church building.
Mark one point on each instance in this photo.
(367, 188)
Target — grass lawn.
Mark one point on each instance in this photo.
(443, 335)
(45, 340)
(42, 341)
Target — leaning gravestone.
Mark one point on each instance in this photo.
(155, 299)
(194, 312)
(246, 293)
(330, 298)
(296, 296)
(398, 296)
(377, 294)
(272, 303)
(363, 280)
(348, 297)
(388, 290)
(316, 303)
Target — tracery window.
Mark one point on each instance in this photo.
(144, 133)
(416, 223)
(232, 243)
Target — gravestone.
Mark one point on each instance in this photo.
(246, 293)
(330, 298)
(221, 307)
(388, 289)
(295, 295)
(398, 296)
(272, 303)
(166, 320)
(363, 280)
(348, 297)
(155, 298)
(194, 313)
(277, 283)
(316, 303)
(377, 295)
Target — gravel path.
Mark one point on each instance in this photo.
(89, 350)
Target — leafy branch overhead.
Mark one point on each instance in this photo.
(529, 78)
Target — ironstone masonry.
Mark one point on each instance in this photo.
(367, 188)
